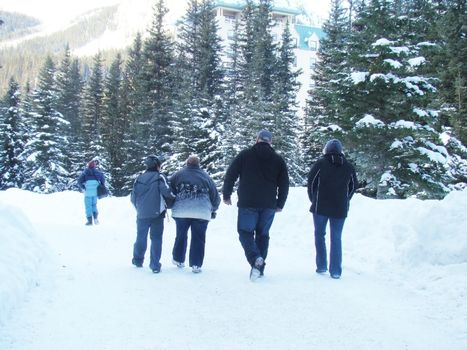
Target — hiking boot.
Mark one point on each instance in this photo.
(256, 269)
(89, 222)
(321, 271)
(178, 264)
(156, 270)
(196, 269)
(136, 263)
(335, 276)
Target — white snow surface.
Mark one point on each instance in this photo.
(68, 286)
(369, 120)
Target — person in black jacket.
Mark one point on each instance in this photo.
(262, 191)
(331, 184)
(149, 195)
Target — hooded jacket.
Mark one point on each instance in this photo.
(331, 184)
(149, 191)
(196, 193)
(264, 180)
(89, 180)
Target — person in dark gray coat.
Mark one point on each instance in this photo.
(149, 196)
(196, 202)
(331, 184)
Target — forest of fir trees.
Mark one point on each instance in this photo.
(390, 83)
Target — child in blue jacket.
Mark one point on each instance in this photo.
(88, 181)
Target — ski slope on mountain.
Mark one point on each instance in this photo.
(68, 286)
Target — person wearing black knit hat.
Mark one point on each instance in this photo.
(331, 184)
(149, 196)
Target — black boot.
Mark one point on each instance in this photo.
(89, 222)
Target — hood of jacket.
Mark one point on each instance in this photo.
(337, 159)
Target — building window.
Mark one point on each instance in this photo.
(313, 45)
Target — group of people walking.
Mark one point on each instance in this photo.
(263, 186)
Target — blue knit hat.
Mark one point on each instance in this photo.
(333, 146)
(265, 136)
(152, 162)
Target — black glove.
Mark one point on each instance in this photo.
(213, 215)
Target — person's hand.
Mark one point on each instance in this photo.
(213, 215)
(278, 210)
(228, 201)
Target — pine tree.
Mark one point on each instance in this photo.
(200, 92)
(325, 115)
(132, 99)
(286, 123)
(157, 84)
(114, 124)
(93, 114)
(45, 167)
(12, 136)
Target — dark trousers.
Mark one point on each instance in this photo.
(253, 226)
(155, 227)
(197, 244)
(336, 226)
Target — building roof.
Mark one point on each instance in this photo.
(306, 32)
(240, 5)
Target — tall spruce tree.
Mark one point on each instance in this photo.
(45, 167)
(200, 93)
(12, 136)
(157, 84)
(114, 125)
(93, 114)
(286, 120)
(325, 113)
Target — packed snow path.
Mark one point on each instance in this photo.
(89, 296)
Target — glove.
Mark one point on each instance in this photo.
(213, 215)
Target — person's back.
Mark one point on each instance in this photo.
(196, 193)
(88, 181)
(147, 195)
(263, 177)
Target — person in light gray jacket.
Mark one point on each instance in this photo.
(196, 202)
(149, 196)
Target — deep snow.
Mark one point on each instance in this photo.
(67, 286)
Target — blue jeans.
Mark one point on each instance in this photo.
(90, 204)
(155, 227)
(197, 244)
(336, 226)
(253, 226)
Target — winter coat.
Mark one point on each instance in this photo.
(196, 194)
(331, 184)
(264, 180)
(148, 195)
(89, 180)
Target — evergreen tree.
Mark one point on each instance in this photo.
(286, 123)
(132, 98)
(69, 89)
(45, 168)
(114, 124)
(157, 85)
(325, 111)
(199, 103)
(12, 135)
(93, 114)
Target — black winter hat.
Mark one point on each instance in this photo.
(152, 162)
(333, 146)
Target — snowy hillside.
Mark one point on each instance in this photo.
(68, 286)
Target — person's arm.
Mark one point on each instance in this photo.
(214, 195)
(165, 191)
(312, 183)
(81, 181)
(353, 183)
(283, 186)
(231, 176)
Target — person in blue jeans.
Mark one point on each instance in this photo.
(196, 202)
(149, 195)
(88, 181)
(262, 192)
(331, 184)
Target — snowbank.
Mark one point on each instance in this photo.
(21, 252)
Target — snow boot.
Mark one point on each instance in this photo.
(89, 222)
(256, 269)
(96, 222)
